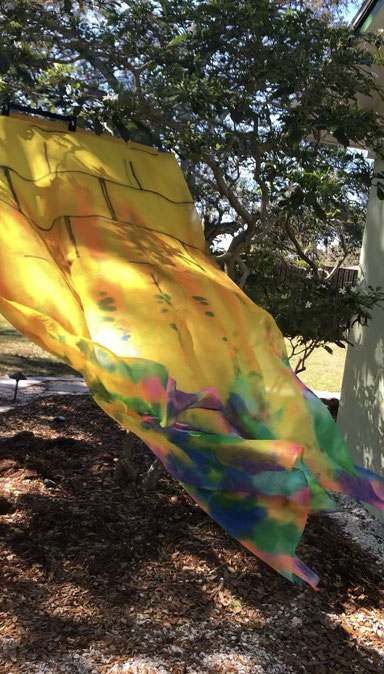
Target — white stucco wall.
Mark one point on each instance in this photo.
(361, 413)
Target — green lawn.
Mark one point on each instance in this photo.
(324, 372)
(19, 353)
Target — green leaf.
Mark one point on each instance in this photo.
(68, 6)
(98, 127)
(237, 116)
(341, 136)
(179, 38)
(295, 136)
(122, 129)
(340, 344)
(319, 211)
(4, 63)
(328, 348)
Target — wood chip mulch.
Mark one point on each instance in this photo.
(101, 578)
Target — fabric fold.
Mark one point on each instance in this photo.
(104, 266)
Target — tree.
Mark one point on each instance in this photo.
(310, 312)
(245, 93)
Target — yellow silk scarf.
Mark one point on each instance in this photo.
(103, 263)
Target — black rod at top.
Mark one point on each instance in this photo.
(42, 113)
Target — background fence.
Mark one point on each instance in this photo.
(344, 276)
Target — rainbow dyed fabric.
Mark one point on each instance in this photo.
(104, 264)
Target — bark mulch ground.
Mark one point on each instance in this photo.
(100, 578)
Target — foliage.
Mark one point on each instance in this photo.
(311, 313)
(244, 92)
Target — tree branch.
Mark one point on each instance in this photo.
(226, 191)
(298, 247)
(340, 262)
(245, 272)
(263, 185)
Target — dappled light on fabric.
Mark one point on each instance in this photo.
(104, 265)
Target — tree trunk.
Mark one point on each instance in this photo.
(125, 471)
(153, 475)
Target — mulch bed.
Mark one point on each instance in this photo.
(100, 578)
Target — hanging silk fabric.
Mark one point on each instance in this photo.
(104, 264)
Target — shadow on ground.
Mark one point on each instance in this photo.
(117, 575)
(17, 352)
(29, 365)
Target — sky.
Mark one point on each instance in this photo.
(353, 9)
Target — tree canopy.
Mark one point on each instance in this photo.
(245, 93)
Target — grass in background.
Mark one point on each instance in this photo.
(19, 353)
(324, 372)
